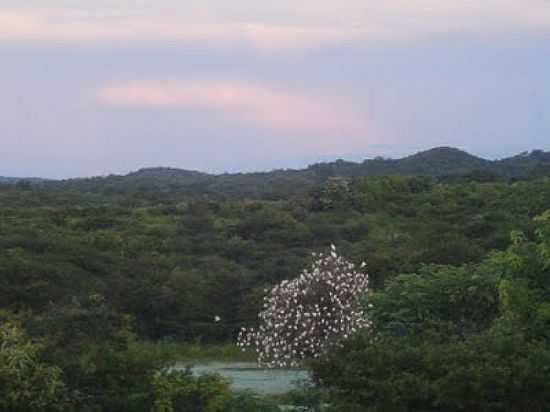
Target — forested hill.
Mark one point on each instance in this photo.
(436, 162)
(6, 179)
(166, 184)
(13, 180)
(439, 161)
(161, 184)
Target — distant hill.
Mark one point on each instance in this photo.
(7, 179)
(13, 180)
(444, 163)
(439, 161)
(524, 164)
(436, 162)
(166, 172)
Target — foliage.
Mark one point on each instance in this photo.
(96, 348)
(473, 337)
(191, 352)
(175, 266)
(179, 391)
(26, 382)
(457, 301)
(113, 279)
(488, 372)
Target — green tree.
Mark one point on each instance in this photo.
(26, 382)
(472, 337)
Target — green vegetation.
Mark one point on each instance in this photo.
(192, 352)
(169, 185)
(454, 338)
(25, 381)
(105, 283)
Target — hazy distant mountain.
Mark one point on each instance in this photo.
(451, 164)
(526, 163)
(436, 162)
(7, 179)
(166, 172)
(13, 180)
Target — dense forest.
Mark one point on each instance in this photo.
(95, 274)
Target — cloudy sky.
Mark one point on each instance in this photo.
(93, 87)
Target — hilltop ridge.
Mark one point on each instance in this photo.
(435, 162)
(442, 163)
(161, 184)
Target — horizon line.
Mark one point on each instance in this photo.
(335, 159)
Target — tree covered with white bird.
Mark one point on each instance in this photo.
(304, 317)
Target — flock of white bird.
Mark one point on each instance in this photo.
(304, 317)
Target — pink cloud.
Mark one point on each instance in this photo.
(360, 21)
(46, 28)
(256, 105)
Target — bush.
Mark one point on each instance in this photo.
(26, 383)
(180, 391)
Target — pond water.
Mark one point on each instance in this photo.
(247, 376)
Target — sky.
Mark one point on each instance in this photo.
(109, 86)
